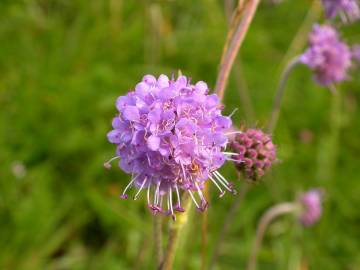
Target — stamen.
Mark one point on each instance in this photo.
(222, 177)
(124, 195)
(178, 205)
(141, 187)
(230, 153)
(222, 183)
(199, 192)
(107, 164)
(234, 132)
(183, 170)
(226, 184)
(204, 203)
(216, 184)
(149, 160)
(193, 198)
(168, 204)
(155, 206)
(233, 112)
(148, 196)
(178, 195)
(157, 194)
(171, 206)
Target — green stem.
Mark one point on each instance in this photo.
(265, 220)
(280, 94)
(175, 230)
(158, 239)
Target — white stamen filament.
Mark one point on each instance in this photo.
(200, 192)
(193, 198)
(178, 195)
(233, 112)
(234, 132)
(183, 170)
(170, 199)
(108, 163)
(230, 153)
(148, 195)
(148, 160)
(129, 185)
(168, 202)
(222, 183)
(156, 197)
(141, 187)
(222, 177)
(216, 184)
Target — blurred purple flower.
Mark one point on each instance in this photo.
(327, 56)
(170, 135)
(311, 207)
(255, 153)
(347, 9)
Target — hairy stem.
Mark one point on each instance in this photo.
(158, 239)
(175, 229)
(239, 76)
(204, 223)
(229, 219)
(280, 93)
(238, 29)
(265, 220)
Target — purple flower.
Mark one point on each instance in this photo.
(311, 207)
(327, 56)
(347, 9)
(253, 154)
(170, 135)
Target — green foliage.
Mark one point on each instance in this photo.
(62, 65)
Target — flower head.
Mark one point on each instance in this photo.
(327, 56)
(254, 153)
(347, 9)
(311, 207)
(170, 135)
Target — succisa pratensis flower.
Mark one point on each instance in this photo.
(170, 136)
(348, 10)
(311, 209)
(327, 55)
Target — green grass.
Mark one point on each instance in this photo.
(62, 65)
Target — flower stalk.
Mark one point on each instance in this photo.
(280, 94)
(174, 233)
(266, 219)
(158, 239)
(241, 21)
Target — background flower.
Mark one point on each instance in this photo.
(311, 209)
(255, 153)
(327, 55)
(347, 9)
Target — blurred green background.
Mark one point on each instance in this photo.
(62, 66)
